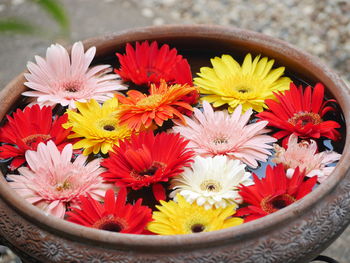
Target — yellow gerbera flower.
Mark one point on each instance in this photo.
(185, 218)
(250, 84)
(97, 125)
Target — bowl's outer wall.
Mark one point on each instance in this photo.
(295, 234)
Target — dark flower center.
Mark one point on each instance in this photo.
(109, 128)
(220, 141)
(279, 203)
(211, 186)
(153, 71)
(35, 139)
(197, 228)
(151, 171)
(272, 204)
(110, 223)
(112, 226)
(242, 89)
(72, 86)
(303, 118)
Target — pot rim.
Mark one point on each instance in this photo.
(65, 228)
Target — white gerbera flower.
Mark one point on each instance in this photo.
(212, 181)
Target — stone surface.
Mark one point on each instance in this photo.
(318, 26)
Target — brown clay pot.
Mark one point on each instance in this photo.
(294, 234)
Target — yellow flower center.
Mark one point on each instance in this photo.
(242, 86)
(304, 118)
(211, 186)
(151, 100)
(63, 186)
(272, 204)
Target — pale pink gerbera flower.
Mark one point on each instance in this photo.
(53, 182)
(220, 133)
(303, 154)
(63, 79)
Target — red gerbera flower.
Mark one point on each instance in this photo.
(114, 215)
(148, 64)
(274, 192)
(26, 129)
(301, 113)
(147, 159)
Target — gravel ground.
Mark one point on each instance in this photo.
(321, 27)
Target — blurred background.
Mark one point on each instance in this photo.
(320, 27)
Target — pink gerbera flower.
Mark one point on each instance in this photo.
(63, 79)
(220, 133)
(304, 155)
(52, 181)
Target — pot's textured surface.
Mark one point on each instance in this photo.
(294, 234)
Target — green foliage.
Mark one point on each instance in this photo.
(15, 25)
(53, 8)
(57, 12)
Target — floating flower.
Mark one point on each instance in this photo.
(26, 129)
(114, 215)
(273, 192)
(220, 133)
(60, 79)
(211, 182)
(141, 111)
(52, 181)
(304, 155)
(148, 64)
(300, 112)
(97, 125)
(185, 218)
(147, 159)
(247, 85)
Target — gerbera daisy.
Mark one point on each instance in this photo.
(211, 182)
(304, 155)
(63, 79)
(147, 159)
(247, 85)
(300, 112)
(220, 133)
(98, 126)
(148, 64)
(273, 192)
(26, 129)
(139, 110)
(114, 215)
(185, 218)
(52, 181)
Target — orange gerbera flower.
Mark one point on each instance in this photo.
(140, 111)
